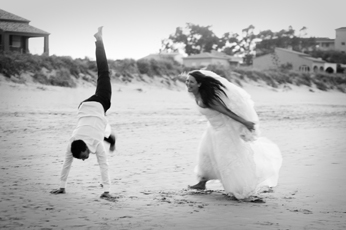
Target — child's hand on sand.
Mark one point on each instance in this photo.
(58, 191)
(108, 197)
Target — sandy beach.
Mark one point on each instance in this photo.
(158, 133)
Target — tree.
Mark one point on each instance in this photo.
(247, 44)
(284, 39)
(229, 44)
(196, 39)
(333, 56)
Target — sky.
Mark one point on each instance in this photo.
(135, 28)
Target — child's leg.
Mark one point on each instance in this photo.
(103, 92)
(104, 87)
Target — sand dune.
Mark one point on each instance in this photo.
(158, 133)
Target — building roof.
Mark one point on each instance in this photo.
(315, 59)
(219, 54)
(302, 55)
(325, 40)
(7, 16)
(206, 55)
(12, 23)
(341, 28)
(292, 51)
(160, 55)
(215, 55)
(21, 28)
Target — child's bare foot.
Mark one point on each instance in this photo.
(98, 35)
(199, 186)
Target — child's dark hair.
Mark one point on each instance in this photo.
(77, 147)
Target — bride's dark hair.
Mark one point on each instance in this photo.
(210, 89)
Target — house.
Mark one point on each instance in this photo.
(340, 39)
(325, 43)
(339, 43)
(205, 59)
(15, 32)
(162, 55)
(298, 61)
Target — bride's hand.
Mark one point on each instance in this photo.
(250, 125)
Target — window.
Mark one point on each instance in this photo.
(15, 41)
(304, 68)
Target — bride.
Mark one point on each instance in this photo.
(231, 149)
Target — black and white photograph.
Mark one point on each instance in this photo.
(186, 114)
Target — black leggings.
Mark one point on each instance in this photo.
(103, 92)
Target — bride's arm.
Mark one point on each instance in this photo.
(216, 105)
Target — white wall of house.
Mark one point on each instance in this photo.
(197, 62)
(318, 67)
(282, 57)
(178, 58)
(330, 65)
(324, 45)
(264, 62)
(223, 62)
(298, 63)
(194, 62)
(340, 39)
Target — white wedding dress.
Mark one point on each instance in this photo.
(244, 162)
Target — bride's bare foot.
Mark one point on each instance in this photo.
(199, 186)
(98, 35)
